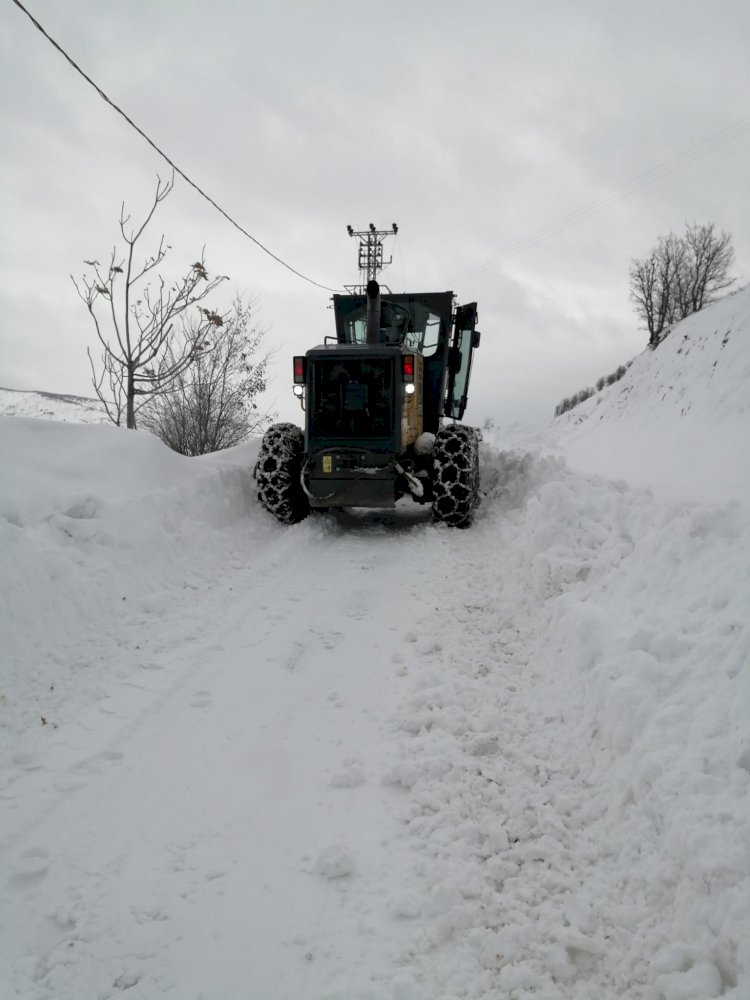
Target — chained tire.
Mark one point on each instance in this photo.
(455, 489)
(278, 473)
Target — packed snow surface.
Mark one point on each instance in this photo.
(370, 758)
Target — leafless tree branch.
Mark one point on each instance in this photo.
(144, 356)
(213, 403)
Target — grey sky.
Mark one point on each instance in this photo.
(472, 126)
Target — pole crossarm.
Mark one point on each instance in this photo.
(370, 259)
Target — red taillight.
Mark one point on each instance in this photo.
(299, 370)
(408, 367)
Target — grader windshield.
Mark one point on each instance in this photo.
(417, 322)
(400, 325)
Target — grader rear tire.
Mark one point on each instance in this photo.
(278, 473)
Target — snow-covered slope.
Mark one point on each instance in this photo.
(680, 418)
(367, 758)
(51, 406)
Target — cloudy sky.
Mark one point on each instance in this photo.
(527, 152)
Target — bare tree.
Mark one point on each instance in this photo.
(671, 256)
(710, 259)
(680, 276)
(133, 364)
(653, 285)
(644, 293)
(214, 403)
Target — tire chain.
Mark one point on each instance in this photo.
(277, 473)
(456, 475)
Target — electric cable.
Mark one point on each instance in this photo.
(164, 156)
(474, 270)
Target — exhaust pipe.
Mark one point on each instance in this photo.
(372, 324)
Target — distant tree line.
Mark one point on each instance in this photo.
(579, 397)
(680, 276)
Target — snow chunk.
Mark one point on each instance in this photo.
(443, 899)
(501, 947)
(351, 774)
(702, 980)
(424, 443)
(408, 905)
(403, 987)
(336, 861)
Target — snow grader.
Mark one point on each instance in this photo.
(382, 404)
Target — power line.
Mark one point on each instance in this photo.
(164, 156)
(726, 134)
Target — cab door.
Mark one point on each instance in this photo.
(463, 344)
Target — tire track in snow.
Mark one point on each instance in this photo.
(159, 667)
(228, 800)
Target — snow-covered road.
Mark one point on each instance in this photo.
(367, 757)
(201, 827)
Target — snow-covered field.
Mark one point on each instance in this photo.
(367, 758)
(51, 406)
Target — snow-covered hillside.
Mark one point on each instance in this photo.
(368, 758)
(51, 406)
(679, 420)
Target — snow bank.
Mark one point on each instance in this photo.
(576, 747)
(101, 530)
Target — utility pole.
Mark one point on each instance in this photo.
(371, 250)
